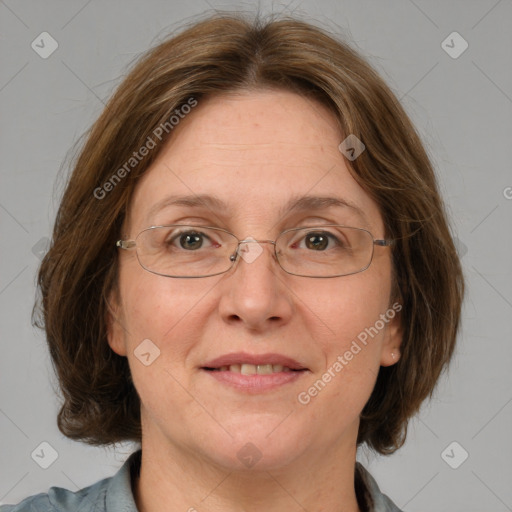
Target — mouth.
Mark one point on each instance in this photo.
(254, 373)
(252, 364)
(254, 369)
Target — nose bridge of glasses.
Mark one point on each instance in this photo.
(253, 240)
(250, 253)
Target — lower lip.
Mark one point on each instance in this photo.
(255, 383)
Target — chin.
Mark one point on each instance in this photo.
(257, 446)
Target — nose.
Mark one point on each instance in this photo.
(254, 291)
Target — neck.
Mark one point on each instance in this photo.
(176, 479)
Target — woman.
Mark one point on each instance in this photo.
(251, 275)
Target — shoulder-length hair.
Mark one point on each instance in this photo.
(220, 54)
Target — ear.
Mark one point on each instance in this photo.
(115, 328)
(390, 353)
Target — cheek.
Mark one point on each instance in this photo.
(350, 329)
(349, 308)
(152, 305)
(170, 313)
(161, 318)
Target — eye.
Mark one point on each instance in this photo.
(319, 241)
(190, 240)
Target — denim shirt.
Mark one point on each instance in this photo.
(115, 494)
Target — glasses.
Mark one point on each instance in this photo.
(181, 250)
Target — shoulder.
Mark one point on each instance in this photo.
(57, 499)
(38, 502)
(107, 495)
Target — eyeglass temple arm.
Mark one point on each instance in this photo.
(126, 244)
(384, 243)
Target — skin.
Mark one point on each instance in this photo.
(254, 150)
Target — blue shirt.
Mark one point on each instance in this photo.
(115, 494)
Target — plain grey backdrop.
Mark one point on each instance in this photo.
(458, 455)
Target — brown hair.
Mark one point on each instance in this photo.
(220, 54)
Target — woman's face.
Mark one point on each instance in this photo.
(255, 152)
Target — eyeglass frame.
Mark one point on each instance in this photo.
(131, 244)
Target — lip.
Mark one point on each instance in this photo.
(256, 383)
(244, 357)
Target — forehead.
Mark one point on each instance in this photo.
(256, 152)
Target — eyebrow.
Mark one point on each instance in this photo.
(294, 204)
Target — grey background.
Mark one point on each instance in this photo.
(462, 108)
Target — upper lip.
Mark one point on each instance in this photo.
(244, 357)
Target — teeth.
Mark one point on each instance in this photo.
(248, 369)
(264, 369)
(252, 369)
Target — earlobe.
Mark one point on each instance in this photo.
(390, 357)
(390, 354)
(115, 331)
